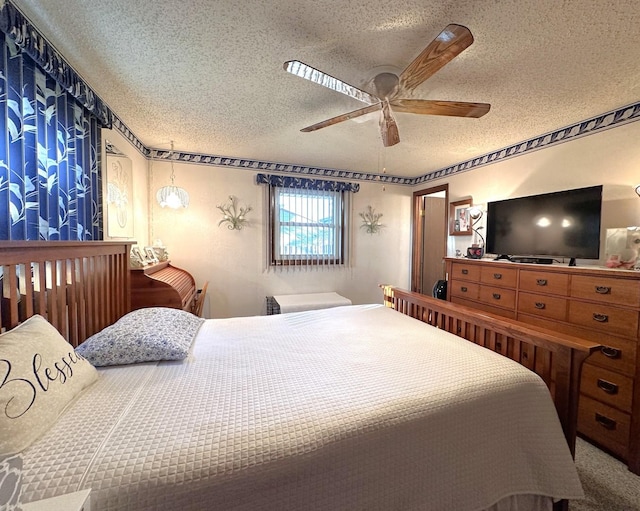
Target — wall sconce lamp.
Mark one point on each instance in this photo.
(235, 216)
(371, 221)
(172, 196)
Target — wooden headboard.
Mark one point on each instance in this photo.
(80, 287)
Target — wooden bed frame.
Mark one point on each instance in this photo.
(82, 287)
(557, 359)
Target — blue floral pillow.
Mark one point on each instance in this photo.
(143, 335)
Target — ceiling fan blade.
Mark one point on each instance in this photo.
(343, 117)
(450, 42)
(388, 127)
(295, 67)
(432, 107)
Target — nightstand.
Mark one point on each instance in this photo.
(77, 501)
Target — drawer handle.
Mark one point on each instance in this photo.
(463, 289)
(607, 386)
(606, 422)
(497, 276)
(541, 282)
(496, 296)
(600, 318)
(540, 305)
(465, 271)
(603, 290)
(610, 352)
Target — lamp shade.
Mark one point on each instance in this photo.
(172, 197)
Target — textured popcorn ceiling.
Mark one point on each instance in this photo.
(208, 74)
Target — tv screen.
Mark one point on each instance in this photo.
(561, 224)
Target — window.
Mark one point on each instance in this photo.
(308, 221)
(307, 227)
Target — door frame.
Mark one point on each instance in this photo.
(417, 251)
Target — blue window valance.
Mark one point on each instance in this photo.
(307, 184)
(26, 37)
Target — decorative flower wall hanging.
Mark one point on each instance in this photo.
(371, 221)
(233, 215)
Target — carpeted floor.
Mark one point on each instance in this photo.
(608, 484)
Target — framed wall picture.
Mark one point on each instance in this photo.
(459, 220)
(119, 188)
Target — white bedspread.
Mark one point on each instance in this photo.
(381, 412)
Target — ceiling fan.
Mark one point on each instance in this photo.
(389, 91)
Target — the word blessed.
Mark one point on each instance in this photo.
(19, 394)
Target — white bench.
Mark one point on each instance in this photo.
(304, 302)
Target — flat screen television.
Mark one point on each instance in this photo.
(559, 224)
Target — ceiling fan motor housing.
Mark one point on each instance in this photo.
(386, 84)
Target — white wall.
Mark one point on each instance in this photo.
(233, 261)
(610, 158)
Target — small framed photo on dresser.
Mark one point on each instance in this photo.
(151, 255)
(137, 259)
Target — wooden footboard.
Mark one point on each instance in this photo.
(79, 287)
(556, 358)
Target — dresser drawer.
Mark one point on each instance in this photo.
(611, 388)
(544, 282)
(465, 272)
(605, 318)
(605, 425)
(616, 354)
(464, 289)
(498, 297)
(499, 276)
(546, 306)
(606, 290)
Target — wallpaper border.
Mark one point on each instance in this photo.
(597, 124)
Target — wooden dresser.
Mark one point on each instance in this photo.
(162, 285)
(594, 303)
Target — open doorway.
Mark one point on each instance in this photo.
(429, 237)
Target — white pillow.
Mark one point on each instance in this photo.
(10, 482)
(40, 374)
(143, 335)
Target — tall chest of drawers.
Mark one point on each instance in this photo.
(593, 303)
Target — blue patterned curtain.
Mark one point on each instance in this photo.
(50, 182)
